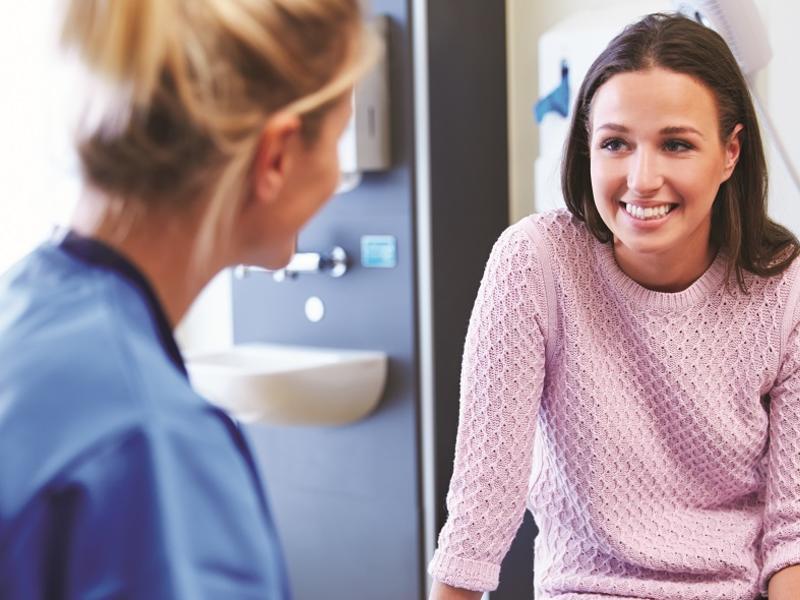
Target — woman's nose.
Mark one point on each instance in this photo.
(644, 173)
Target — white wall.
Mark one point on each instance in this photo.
(526, 22)
(208, 326)
(38, 186)
(783, 98)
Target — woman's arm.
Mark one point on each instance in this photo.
(442, 591)
(502, 378)
(784, 585)
(780, 545)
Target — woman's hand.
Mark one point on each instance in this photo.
(442, 591)
(783, 585)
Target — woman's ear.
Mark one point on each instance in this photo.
(733, 147)
(273, 156)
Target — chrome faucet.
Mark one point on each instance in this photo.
(335, 264)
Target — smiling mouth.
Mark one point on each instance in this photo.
(650, 213)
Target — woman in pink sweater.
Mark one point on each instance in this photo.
(632, 367)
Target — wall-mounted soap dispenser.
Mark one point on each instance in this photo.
(365, 144)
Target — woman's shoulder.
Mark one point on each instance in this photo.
(550, 245)
(73, 368)
(554, 237)
(782, 285)
(553, 228)
(781, 289)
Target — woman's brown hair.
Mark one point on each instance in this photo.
(740, 225)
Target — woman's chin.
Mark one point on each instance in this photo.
(641, 245)
(275, 263)
(273, 258)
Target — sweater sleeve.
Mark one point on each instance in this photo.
(781, 542)
(501, 385)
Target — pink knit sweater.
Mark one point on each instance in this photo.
(654, 436)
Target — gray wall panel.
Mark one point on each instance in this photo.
(346, 499)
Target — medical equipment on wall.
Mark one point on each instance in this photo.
(739, 23)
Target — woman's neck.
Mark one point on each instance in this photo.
(664, 272)
(162, 247)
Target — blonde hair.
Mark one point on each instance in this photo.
(189, 85)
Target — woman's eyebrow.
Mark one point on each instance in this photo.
(613, 127)
(671, 130)
(680, 129)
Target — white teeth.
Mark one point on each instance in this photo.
(649, 212)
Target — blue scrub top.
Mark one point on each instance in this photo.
(116, 479)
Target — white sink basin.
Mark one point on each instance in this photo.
(291, 385)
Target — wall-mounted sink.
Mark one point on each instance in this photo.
(291, 385)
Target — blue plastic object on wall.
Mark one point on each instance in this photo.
(556, 101)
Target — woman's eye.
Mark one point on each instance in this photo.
(613, 144)
(677, 146)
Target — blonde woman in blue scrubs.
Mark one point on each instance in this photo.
(209, 139)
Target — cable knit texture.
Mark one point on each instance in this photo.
(654, 436)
